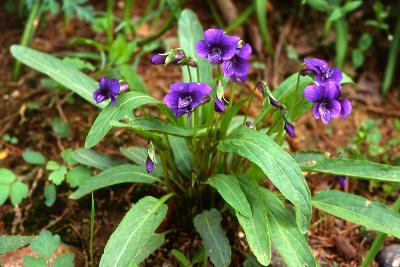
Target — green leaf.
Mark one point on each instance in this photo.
(335, 14)
(60, 128)
(133, 79)
(351, 167)
(33, 157)
(257, 227)
(182, 155)
(65, 260)
(135, 230)
(286, 237)
(208, 225)
(12, 242)
(357, 58)
(229, 115)
(116, 175)
(125, 104)
(228, 187)
(52, 165)
(91, 158)
(45, 244)
(30, 261)
(67, 156)
(155, 241)
(320, 5)
(279, 166)
(181, 258)
(121, 51)
(18, 192)
(65, 74)
(159, 126)
(78, 175)
(79, 63)
(189, 32)
(359, 210)
(4, 193)
(50, 195)
(365, 41)
(350, 6)
(261, 11)
(58, 176)
(7, 176)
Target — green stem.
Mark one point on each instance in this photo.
(378, 242)
(29, 30)
(392, 60)
(91, 232)
(189, 73)
(110, 26)
(232, 95)
(249, 104)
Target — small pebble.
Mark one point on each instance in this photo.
(389, 256)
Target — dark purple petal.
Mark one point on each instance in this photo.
(219, 105)
(336, 75)
(149, 165)
(103, 82)
(346, 107)
(113, 100)
(158, 59)
(202, 48)
(289, 128)
(245, 52)
(98, 96)
(331, 90)
(229, 45)
(315, 64)
(274, 102)
(316, 111)
(342, 180)
(237, 78)
(171, 99)
(203, 88)
(113, 87)
(314, 93)
(179, 86)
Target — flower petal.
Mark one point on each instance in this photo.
(245, 51)
(157, 59)
(316, 111)
(346, 108)
(103, 82)
(314, 93)
(179, 87)
(171, 99)
(113, 100)
(336, 75)
(219, 105)
(331, 90)
(213, 36)
(316, 64)
(228, 46)
(202, 48)
(113, 87)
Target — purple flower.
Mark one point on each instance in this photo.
(238, 66)
(323, 73)
(185, 97)
(325, 99)
(250, 125)
(289, 128)
(108, 89)
(217, 46)
(342, 180)
(345, 107)
(159, 59)
(149, 165)
(219, 105)
(274, 102)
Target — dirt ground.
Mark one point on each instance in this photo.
(332, 239)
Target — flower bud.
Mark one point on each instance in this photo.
(289, 128)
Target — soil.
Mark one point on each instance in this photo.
(332, 239)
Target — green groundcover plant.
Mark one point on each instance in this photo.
(212, 161)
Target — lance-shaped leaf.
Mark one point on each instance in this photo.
(229, 189)
(124, 107)
(285, 236)
(208, 225)
(348, 167)
(134, 232)
(155, 241)
(65, 74)
(279, 166)
(359, 210)
(91, 158)
(256, 228)
(116, 175)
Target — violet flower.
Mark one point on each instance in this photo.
(238, 66)
(342, 180)
(323, 73)
(219, 105)
(217, 46)
(185, 97)
(107, 89)
(289, 128)
(149, 165)
(159, 59)
(325, 99)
